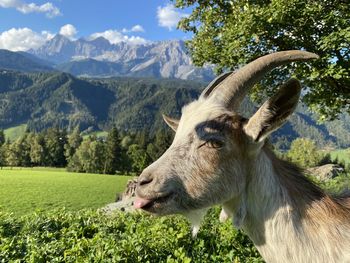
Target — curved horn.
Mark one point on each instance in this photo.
(209, 89)
(232, 90)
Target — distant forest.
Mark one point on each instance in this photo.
(117, 153)
(132, 105)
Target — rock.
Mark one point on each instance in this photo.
(124, 201)
(326, 172)
(129, 191)
(124, 206)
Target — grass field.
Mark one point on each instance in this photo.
(98, 134)
(24, 191)
(342, 156)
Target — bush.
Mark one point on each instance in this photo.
(304, 153)
(337, 185)
(89, 236)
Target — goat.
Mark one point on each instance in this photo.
(219, 157)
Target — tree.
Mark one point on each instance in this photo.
(55, 141)
(2, 137)
(138, 157)
(10, 156)
(114, 158)
(73, 143)
(81, 158)
(89, 157)
(231, 33)
(18, 153)
(304, 152)
(38, 152)
(96, 163)
(160, 144)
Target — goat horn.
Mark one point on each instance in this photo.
(234, 87)
(206, 92)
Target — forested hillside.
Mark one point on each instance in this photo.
(43, 100)
(22, 61)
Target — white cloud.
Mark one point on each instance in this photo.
(47, 34)
(114, 36)
(135, 28)
(47, 8)
(69, 31)
(22, 39)
(168, 16)
(136, 40)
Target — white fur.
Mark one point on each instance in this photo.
(194, 113)
(196, 217)
(279, 235)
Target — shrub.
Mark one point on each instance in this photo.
(304, 152)
(89, 236)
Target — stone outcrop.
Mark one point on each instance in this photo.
(124, 201)
(325, 172)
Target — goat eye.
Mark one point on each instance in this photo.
(214, 143)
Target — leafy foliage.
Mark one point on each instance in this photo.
(138, 157)
(231, 33)
(304, 152)
(63, 236)
(89, 157)
(341, 157)
(73, 142)
(338, 184)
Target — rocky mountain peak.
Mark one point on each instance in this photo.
(165, 59)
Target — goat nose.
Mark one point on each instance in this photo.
(145, 180)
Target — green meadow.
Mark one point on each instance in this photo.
(342, 156)
(15, 132)
(28, 190)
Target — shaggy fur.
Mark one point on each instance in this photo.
(218, 157)
(292, 220)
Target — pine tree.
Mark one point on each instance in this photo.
(161, 143)
(2, 137)
(114, 154)
(55, 141)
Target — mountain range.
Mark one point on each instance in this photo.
(45, 99)
(100, 58)
(60, 84)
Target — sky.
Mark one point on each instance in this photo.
(26, 24)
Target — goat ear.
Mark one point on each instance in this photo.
(274, 112)
(172, 123)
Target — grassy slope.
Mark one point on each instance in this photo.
(25, 190)
(342, 156)
(98, 134)
(15, 132)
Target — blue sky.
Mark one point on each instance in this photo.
(28, 24)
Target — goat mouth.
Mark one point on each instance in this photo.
(153, 204)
